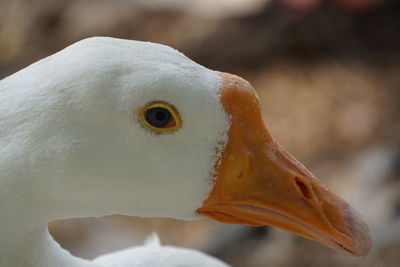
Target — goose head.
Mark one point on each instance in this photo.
(110, 126)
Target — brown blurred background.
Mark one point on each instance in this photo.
(328, 75)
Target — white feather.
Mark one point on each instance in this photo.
(153, 240)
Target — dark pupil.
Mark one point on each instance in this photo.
(158, 117)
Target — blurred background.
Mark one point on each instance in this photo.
(328, 76)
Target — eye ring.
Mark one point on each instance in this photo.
(160, 117)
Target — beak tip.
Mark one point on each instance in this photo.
(358, 228)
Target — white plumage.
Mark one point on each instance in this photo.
(71, 144)
(153, 254)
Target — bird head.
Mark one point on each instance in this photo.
(110, 126)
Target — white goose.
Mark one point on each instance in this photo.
(110, 126)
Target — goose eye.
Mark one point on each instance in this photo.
(160, 117)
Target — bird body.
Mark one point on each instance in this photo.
(109, 126)
(153, 254)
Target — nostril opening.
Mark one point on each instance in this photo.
(303, 188)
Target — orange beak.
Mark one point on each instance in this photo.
(259, 183)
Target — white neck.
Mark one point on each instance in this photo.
(35, 248)
(24, 237)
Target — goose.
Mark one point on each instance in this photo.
(111, 126)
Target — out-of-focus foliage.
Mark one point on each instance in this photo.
(328, 79)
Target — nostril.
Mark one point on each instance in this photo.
(303, 188)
